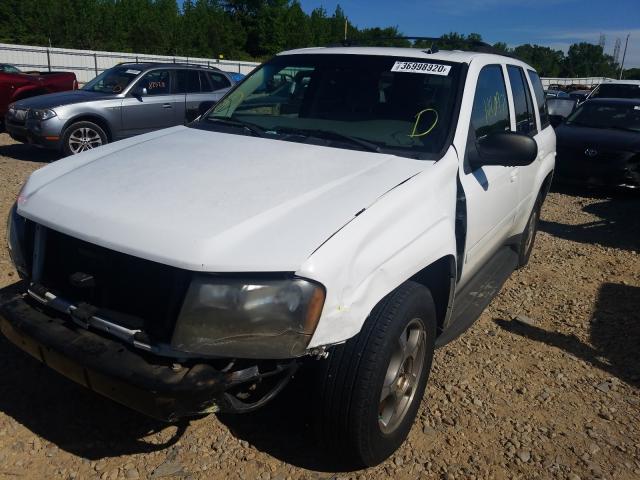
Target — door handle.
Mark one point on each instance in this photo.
(166, 105)
(513, 176)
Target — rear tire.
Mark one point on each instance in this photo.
(358, 420)
(82, 136)
(529, 235)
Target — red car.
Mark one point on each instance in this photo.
(16, 85)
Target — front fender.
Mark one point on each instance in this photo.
(404, 231)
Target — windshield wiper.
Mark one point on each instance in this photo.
(253, 128)
(328, 135)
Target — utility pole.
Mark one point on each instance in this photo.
(624, 54)
(345, 28)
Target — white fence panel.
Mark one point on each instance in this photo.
(587, 81)
(86, 64)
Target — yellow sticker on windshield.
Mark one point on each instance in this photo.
(421, 67)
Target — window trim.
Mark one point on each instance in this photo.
(533, 90)
(531, 107)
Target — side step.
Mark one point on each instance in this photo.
(474, 297)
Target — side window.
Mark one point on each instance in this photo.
(525, 118)
(490, 112)
(204, 82)
(187, 81)
(157, 82)
(219, 81)
(540, 98)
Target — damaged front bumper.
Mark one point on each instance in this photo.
(154, 385)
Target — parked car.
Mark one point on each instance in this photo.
(556, 93)
(599, 144)
(580, 95)
(126, 100)
(617, 89)
(236, 76)
(349, 233)
(17, 85)
(559, 109)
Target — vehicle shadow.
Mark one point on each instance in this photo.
(618, 223)
(29, 153)
(284, 429)
(71, 417)
(614, 333)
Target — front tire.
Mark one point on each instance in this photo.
(371, 387)
(82, 136)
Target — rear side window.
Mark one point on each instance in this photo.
(204, 82)
(525, 118)
(540, 98)
(187, 81)
(219, 81)
(490, 112)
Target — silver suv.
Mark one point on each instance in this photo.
(126, 100)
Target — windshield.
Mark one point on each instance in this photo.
(114, 80)
(389, 104)
(617, 90)
(607, 115)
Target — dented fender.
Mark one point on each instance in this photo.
(404, 231)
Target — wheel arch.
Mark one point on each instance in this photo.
(94, 118)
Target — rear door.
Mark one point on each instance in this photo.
(491, 191)
(193, 87)
(525, 123)
(151, 111)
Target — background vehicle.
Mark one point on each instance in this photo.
(556, 93)
(126, 100)
(16, 85)
(560, 108)
(349, 226)
(580, 95)
(617, 89)
(599, 143)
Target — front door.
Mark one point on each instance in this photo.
(491, 191)
(152, 110)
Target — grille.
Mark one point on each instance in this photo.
(127, 290)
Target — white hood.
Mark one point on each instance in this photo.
(209, 201)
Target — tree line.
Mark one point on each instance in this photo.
(243, 30)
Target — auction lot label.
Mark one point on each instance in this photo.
(420, 67)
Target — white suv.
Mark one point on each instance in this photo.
(346, 208)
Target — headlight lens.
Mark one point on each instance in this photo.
(42, 114)
(11, 111)
(16, 228)
(248, 318)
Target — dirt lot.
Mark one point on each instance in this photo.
(555, 394)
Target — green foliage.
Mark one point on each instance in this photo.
(631, 74)
(243, 29)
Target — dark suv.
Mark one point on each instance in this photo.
(126, 100)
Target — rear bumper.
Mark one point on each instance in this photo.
(149, 384)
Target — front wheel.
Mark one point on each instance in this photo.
(82, 136)
(371, 387)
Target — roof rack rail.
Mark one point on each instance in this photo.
(186, 64)
(473, 45)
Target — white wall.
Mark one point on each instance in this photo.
(85, 63)
(591, 81)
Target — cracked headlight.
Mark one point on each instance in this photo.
(248, 317)
(42, 114)
(16, 228)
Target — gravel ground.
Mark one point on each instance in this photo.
(545, 385)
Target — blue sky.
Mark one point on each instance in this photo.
(554, 23)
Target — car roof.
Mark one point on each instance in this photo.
(621, 82)
(146, 65)
(618, 101)
(456, 56)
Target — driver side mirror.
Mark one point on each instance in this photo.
(509, 149)
(138, 92)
